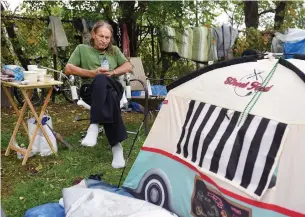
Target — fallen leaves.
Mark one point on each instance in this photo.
(39, 167)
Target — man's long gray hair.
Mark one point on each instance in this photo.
(96, 26)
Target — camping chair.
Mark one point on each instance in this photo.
(78, 100)
(149, 99)
(139, 82)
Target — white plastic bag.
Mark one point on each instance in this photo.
(291, 35)
(124, 100)
(40, 144)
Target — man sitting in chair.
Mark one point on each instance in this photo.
(102, 63)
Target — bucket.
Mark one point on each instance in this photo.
(31, 76)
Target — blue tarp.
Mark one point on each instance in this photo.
(294, 48)
(157, 90)
(46, 210)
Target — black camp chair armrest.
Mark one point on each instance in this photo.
(146, 103)
(141, 82)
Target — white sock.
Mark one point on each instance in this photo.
(82, 103)
(118, 157)
(91, 137)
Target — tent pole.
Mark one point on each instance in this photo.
(153, 52)
(134, 141)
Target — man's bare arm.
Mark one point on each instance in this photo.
(122, 69)
(71, 69)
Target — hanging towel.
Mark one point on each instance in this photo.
(126, 41)
(57, 35)
(197, 43)
(225, 37)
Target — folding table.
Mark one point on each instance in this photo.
(26, 89)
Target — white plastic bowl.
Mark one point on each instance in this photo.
(31, 76)
(40, 71)
(32, 67)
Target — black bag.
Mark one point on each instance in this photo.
(85, 93)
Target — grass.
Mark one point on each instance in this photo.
(42, 178)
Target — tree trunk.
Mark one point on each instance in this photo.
(153, 74)
(251, 14)
(132, 30)
(165, 67)
(279, 14)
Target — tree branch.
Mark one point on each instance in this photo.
(141, 40)
(266, 11)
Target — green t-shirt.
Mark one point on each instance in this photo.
(87, 57)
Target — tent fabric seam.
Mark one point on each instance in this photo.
(201, 71)
(225, 107)
(236, 61)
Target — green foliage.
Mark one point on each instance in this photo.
(250, 39)
(234, 10)
(295, 15)
(7, 53)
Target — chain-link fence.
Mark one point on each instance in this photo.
(26, 39)
(24, 42)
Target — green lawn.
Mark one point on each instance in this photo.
(42, 178)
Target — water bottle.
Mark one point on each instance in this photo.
(71, 79)
(74, 94)
(105, 64)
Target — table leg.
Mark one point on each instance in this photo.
(39, 125)
(14, 107)
(20, 119)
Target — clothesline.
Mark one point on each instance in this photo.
(46, 19)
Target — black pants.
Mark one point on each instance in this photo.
(104, 95)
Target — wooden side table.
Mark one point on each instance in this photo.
(25, 89)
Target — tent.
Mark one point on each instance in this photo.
(228, 141)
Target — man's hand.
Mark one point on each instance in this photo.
(104, 71)
(109, 73)
(100, 70)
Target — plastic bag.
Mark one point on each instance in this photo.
(13, 71)
(2, 213)
(124, 100)
(40, 144)
(46, 210)
(291, 35)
